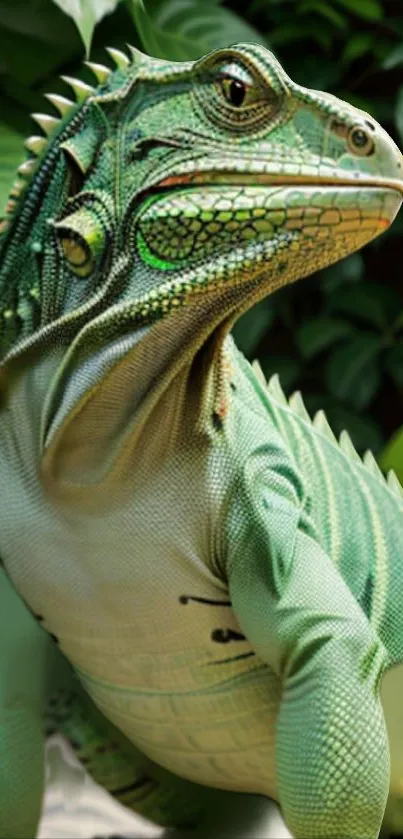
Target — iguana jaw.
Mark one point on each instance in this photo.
(215, 178)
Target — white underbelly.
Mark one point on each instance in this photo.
(221, 736)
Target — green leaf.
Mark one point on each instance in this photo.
(372, 303)
(392, 455)
(399, 112)
(320, 33)
(365, 9)
(319, 333)
(251, 327)
(358, 45)
(11, 154)
(352, 371)
(394, 363)
(394, 58)
(325, 10)
(349, 270)
(182, 30)
(86, 14)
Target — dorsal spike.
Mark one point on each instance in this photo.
(47, 123)
(274, 387)
(121, 60)
(297, 405)
(136, 55)
(36, 144)
(259, 372)
(372, 466)
(27, 168)
(4, 225)
(100, 71)
(11, 205)
(394, 483)
(17, 188)
(81, 90)
(63, 105)
(320, 422)
(347, 446)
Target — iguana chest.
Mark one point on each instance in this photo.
(124, 578)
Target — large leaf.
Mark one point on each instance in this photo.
(393, 58)
(182, 30)
(11, 154)
(374, 303)
(349, 270)
(392, 456)
(319, 333)
(251, 327)
(394, 363)
(353, 370)
(86, 14)
(366, 9)
(37, 19)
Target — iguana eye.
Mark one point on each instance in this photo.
(238, 86)
(360, 141)
(234, 91)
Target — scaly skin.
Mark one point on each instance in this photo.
(221, 574)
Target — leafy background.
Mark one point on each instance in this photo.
(338, 335)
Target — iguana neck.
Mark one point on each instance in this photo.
(143, 370)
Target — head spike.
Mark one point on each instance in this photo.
(47, 123)
(297, 405)
(121, 60)
(63, 105)
(17, 188)
(136, 55)
(81, 90)
(11, 205)
(100, 72)
(275, 389)
(36, 144)
(27, 168)
(320, 422)
(259, 372)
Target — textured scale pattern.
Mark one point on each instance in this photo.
(200, 581)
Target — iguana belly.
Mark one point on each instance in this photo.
(155, 642)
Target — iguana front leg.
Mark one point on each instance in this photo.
(24, 651)
(332, 753)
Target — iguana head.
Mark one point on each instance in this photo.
(169, 181)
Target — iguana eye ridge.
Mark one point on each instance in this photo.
(360, 142)
(234, 91)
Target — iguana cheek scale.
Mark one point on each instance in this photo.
(222, 574)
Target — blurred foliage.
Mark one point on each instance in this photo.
(338, 335)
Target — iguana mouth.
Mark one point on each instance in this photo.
(214, 178)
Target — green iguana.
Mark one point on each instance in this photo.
(224, 577)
